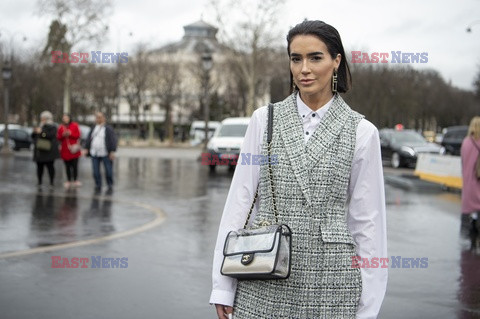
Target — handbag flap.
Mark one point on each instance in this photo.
(247, 241)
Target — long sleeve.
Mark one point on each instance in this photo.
(60, 133)
(239, 200)
(49, 132)
(74, 131)
(366, 218)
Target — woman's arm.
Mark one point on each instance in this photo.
(239, 200)
(60, 133)
(367, 217)
(74, 131)
(49, 132)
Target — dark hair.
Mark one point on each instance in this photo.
(330, 36)
(69, 117)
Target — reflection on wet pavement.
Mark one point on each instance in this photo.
(469, 285)
(171, 264)
(427, 224)
(46, 218)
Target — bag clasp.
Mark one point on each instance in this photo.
(247, 259)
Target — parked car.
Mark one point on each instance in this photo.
(401, 147)
(197, 131)
(11, 144)
(227, 140)
(19, 135)
(429, 136)
(453, 137)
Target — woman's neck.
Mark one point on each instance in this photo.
(316, 101)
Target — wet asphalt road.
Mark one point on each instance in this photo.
(165, 210)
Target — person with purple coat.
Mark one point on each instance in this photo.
(470, 151)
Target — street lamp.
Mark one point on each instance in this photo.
(6, 76)
(120, 32)
(207, 64)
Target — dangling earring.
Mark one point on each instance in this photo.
(334, 82)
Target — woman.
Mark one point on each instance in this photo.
(470, 151)
(328, 166)
(46, 146)
(69, 134)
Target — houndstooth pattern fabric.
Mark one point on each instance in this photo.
(311, 189)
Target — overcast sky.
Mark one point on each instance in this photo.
(432, 26)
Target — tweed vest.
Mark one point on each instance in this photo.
(311, 190)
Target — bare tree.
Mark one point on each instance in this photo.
(166, 85)
(136, 81)
(476, 83)
(249, 28)
(74, 22)
(419, 99)
(94, 88)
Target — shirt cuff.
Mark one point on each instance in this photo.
(222, 297)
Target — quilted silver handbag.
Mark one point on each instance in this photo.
(264, 252)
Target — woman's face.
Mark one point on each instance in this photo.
(65, 119)
(311, 65)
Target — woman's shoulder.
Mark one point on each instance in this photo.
(260, 112)
(366, 130)
(50, 127)
(366, 126)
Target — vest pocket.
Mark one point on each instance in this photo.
(336, 234)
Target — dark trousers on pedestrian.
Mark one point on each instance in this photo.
(50, 168)
(72, 169)
(108, 164)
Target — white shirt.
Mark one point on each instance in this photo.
(366, 217)
(98, 147)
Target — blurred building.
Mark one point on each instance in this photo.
(184, 55)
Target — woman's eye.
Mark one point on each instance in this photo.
(316, 58)
(295, 59)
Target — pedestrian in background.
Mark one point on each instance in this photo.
(470, 152)
(329, 184)
(70, 150)
(46, 147)
(101, 146)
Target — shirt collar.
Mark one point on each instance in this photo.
(306, 112)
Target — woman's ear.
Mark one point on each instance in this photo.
(337, 61)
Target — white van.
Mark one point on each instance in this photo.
(197, 131)
(227, 140)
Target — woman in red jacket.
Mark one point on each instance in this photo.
(70, 150)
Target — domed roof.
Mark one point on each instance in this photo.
(199, 37)
(200, 29)
(200, 24)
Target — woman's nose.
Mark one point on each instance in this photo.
(305, 68)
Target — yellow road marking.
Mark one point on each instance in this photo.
(450, 181)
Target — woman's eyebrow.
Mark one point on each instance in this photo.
(308, 54)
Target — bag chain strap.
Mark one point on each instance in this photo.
(270, 171)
